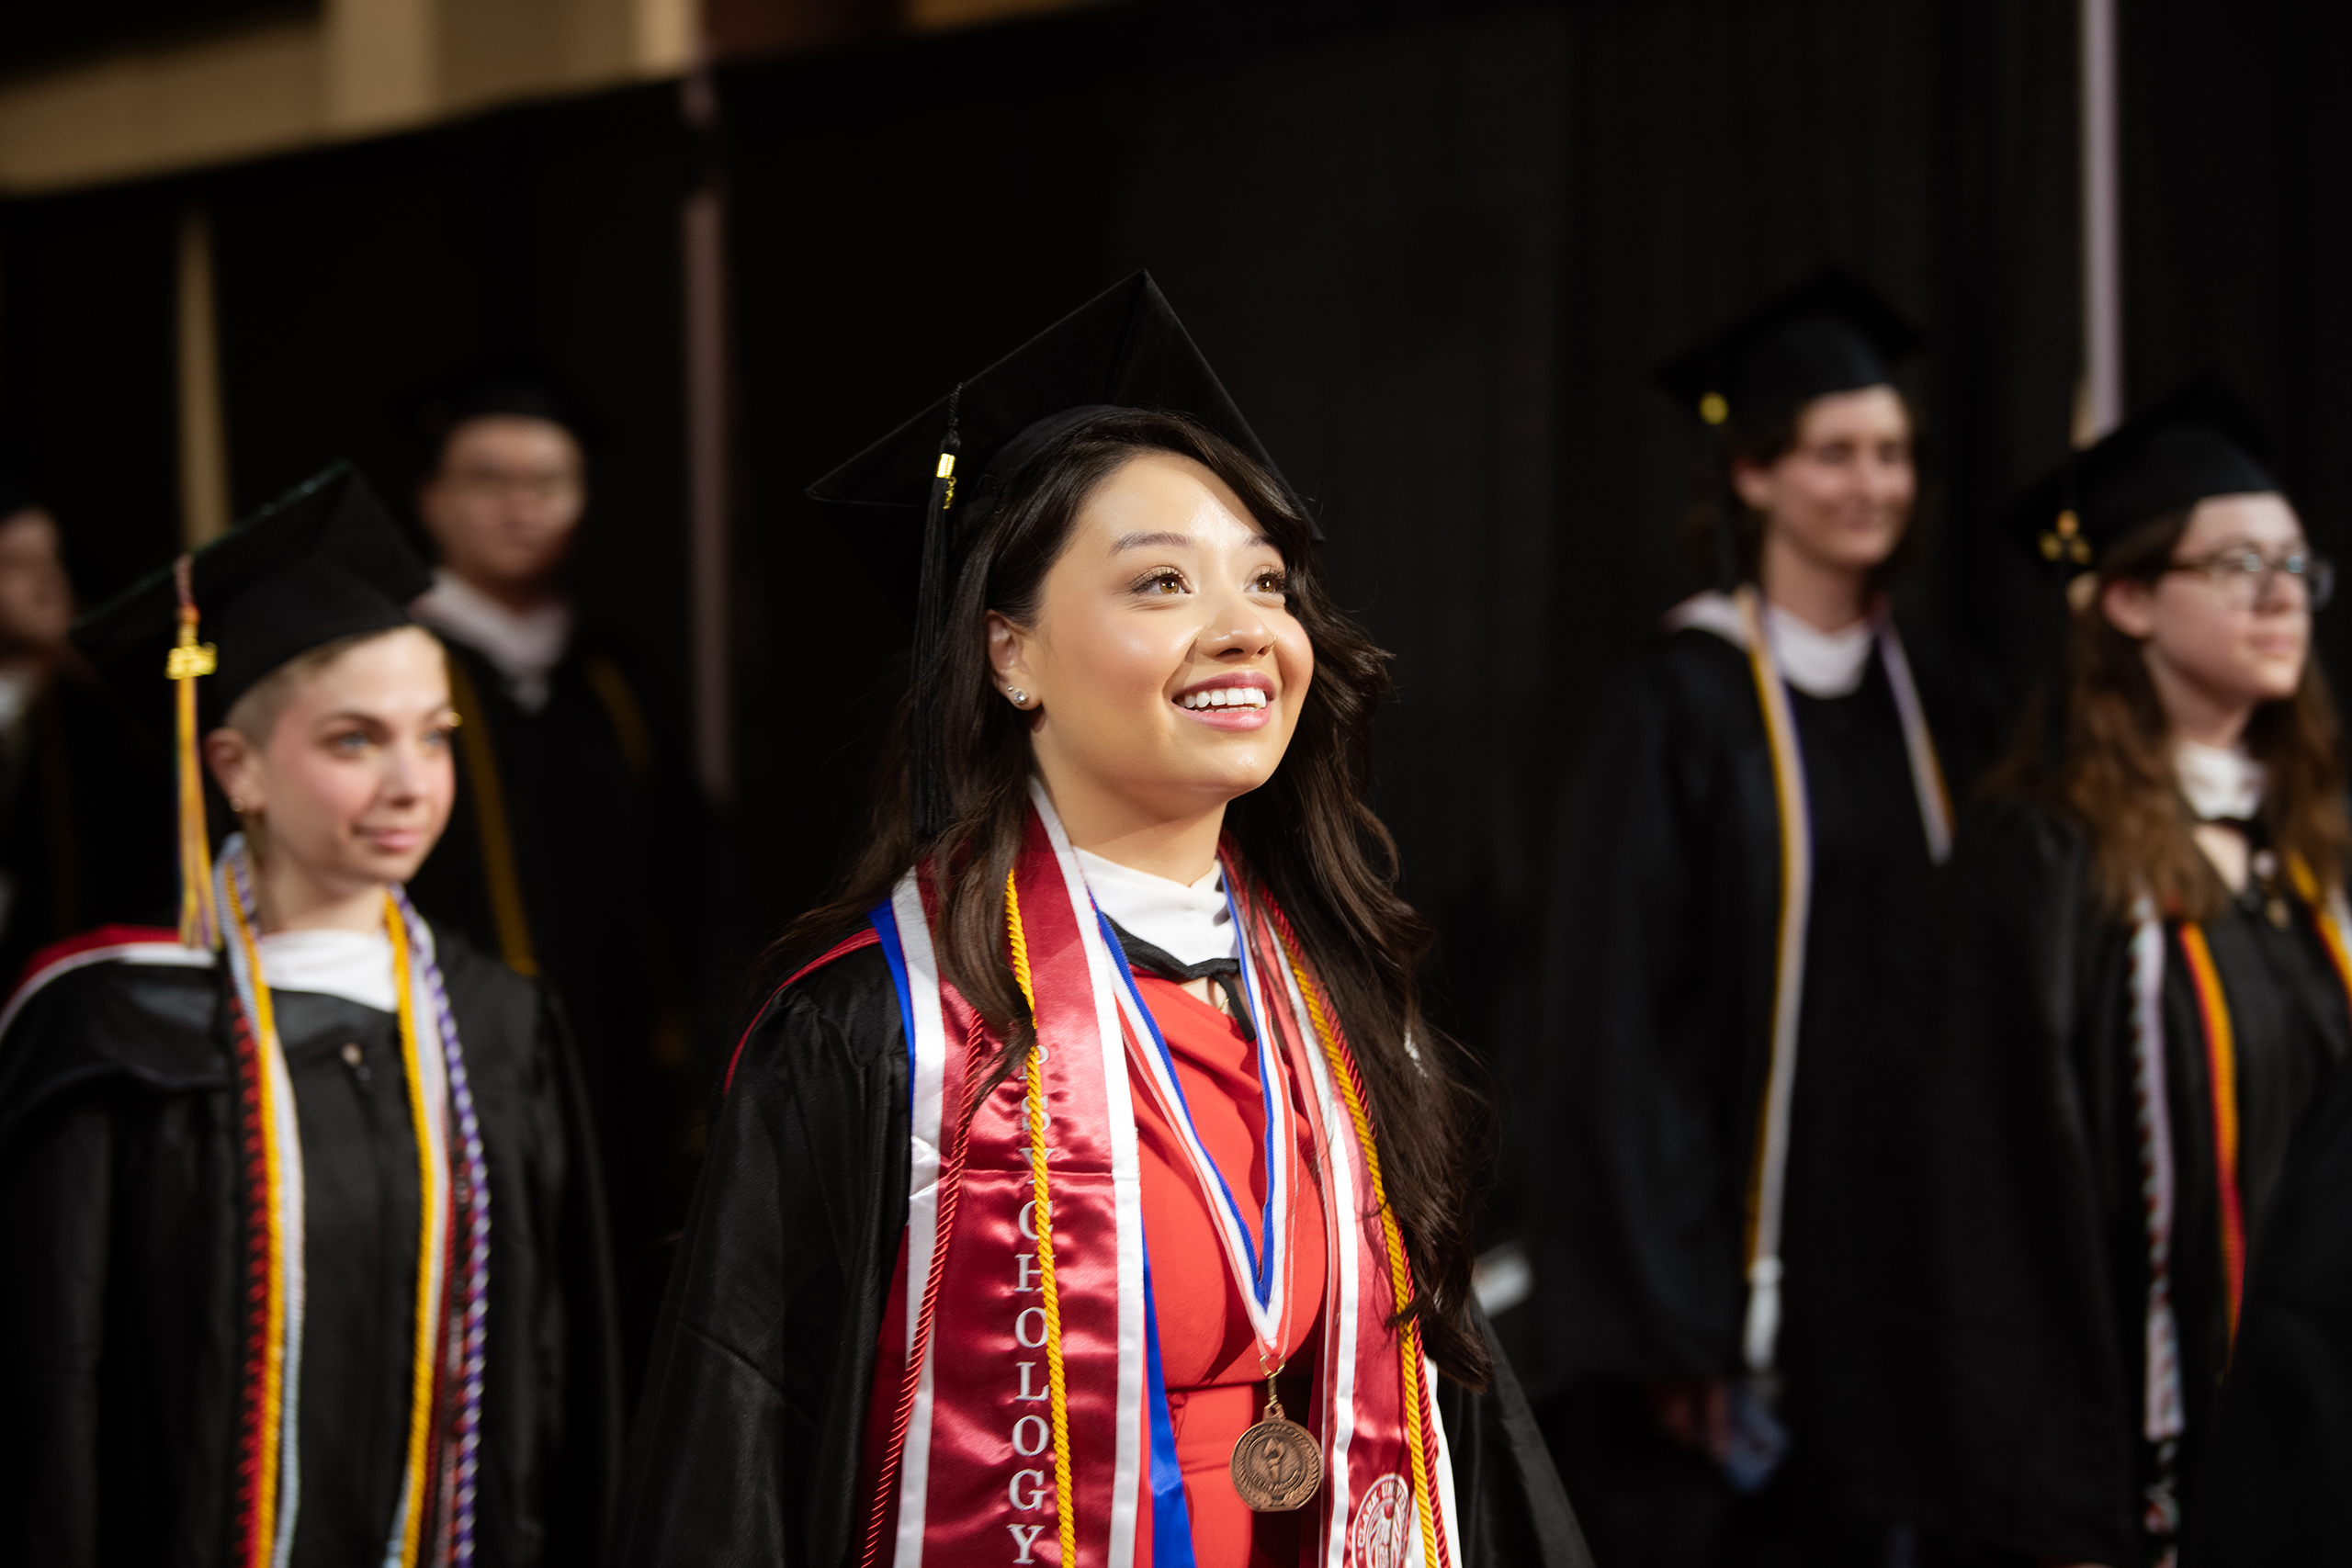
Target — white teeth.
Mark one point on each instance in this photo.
(1223, 697)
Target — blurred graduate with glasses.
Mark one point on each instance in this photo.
(299, 1219)
(2144, 988)
(1741, 925)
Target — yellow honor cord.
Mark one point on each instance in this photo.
(1034, 1073)
(428, 1186)
(504, 884)
(273, 1376)
(1408, 1338)
(2331, 935)
(1064, 1516)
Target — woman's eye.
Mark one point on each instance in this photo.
(351, 742)
(1163, 583)
(1270, 581)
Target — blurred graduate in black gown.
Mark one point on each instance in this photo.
(2273, 1478)
(2144, 991)
(85, 787)
(1740, 926)
(299, 1221)
(563, 748)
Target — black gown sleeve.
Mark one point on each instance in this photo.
(2282, 1433)
(1628, 1150)
(1513, 1509)
(2024, 1441)
(54, 1196)
(749, 1436)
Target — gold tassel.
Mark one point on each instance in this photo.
(199, 920)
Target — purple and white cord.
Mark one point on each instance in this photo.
(475, 1315)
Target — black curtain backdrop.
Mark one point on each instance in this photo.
(1434, 251)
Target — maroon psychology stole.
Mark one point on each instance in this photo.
(1013, 1411)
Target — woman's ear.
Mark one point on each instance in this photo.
(1753, 484)
(2130, 606)
(235, 763)
(1008, 654)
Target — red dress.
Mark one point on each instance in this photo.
(1215, 1389)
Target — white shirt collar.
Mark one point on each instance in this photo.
(525, 646)
(355, 965)
(2219, 782)
(1189, 923)
(1818, 663)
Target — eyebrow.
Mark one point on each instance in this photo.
(1172, 541)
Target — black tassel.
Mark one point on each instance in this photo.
(931, 631)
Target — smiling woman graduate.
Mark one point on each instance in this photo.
(1741, 905)
(2145, 986)
(1094, 1193)
(304, 1259)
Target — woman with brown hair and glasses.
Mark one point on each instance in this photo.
(1092, 1189)
(2145, 985)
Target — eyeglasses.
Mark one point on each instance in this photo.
(2244, 576)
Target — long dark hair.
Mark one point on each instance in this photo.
(2112, 774)
(1309, 834)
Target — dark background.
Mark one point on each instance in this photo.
(1433, 251)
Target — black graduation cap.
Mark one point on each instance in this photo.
(2197, 440)
(323, 561)
(521, 385)
(1123, 348)
(1832, 333)
(910, 503)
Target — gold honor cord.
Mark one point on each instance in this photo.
(1065, 1516)
(1771, 1166)
(474, 743)
(1408, 1336)
(429, 1178)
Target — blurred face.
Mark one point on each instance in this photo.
(2217, 636)
(1841, 496)
(36, 600)
(1164, 670)
(506, 502)
(353, 780)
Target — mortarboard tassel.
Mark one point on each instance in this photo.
(931, 630)
(189, 660)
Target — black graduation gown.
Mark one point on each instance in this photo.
(2033, 1324)
(121, 1239)
(2272, 1490)
(615, 931)
(86, 819)
(1635, 1138)
(748, 1435)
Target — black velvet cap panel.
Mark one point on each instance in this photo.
(1125, 348)
(2196, 440)
(1831, 332)
(322, 562)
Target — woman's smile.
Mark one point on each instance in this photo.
(1243, 700)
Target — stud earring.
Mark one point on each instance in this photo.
(236, 806)
(1020, 698)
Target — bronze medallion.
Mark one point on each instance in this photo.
(1277, 1464)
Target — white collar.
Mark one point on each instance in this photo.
(2219, 782)
(523, 644)
(1191, 924)
(355, 965)
(1818, 663)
